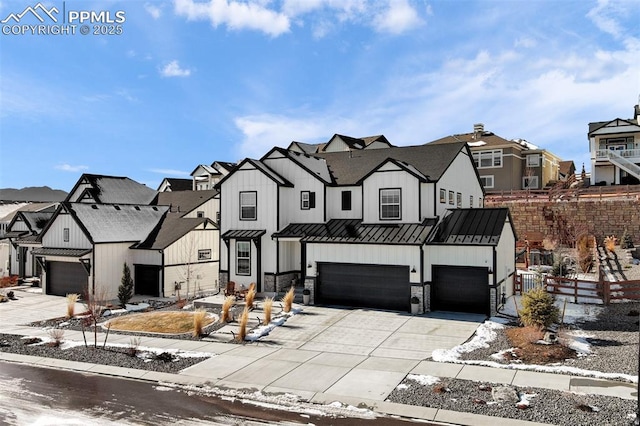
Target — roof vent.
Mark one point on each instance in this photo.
(94, 206)
(116, 207)
(137, 207)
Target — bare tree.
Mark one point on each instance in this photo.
(189, 267)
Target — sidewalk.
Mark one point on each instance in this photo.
(317, 365)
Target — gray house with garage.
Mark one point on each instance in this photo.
(368, 227)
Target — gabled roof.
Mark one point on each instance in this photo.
(315, 166)
(25, 207)
(355, 143)
(307, 148)
(36, 221)
(431, 160)
(183, 202)
(223, 165)
(355, 232)
(259, 165)
(566, 167)
(177, 184)
(112, 190)
(593, 127)
(486, 139)
(472, 226)
(170, 230)
(209, 169)
(106, 223)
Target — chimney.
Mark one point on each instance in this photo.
(478, 130)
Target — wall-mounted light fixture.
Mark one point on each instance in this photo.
(413, 269)
(309, 265)
(490, 270)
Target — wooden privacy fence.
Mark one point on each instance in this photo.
(582, 291)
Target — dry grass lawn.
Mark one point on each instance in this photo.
(172, 322)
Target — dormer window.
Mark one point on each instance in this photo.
(390, 204)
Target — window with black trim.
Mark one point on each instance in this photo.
(443, 196)
(200, 214)
(243, 257)
(390, 204)
(204, 254)
(248, 205)
(487, 181)
(451, 197)
(346, 200)
(65, 235)
(307, 200)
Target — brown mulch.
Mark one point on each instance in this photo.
(529, 351)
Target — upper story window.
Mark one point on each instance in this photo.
(65, 235)
(390, 204)
(307, 200)
(346, 200)
(459, 200)
(200, 214)
(204, 254)
(451, 195)
(487, 181)
(487, 159)
(443, 196)
(533, 160)
(530, 182)
(248, 205)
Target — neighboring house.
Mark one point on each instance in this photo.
(566, 171)
(206, 177)
(172, 184)
(7, 211)
(358, 227)
(615, 151)
(340, 143)
(508, 164)
(169, 240)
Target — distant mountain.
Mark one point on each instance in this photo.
(34, 193)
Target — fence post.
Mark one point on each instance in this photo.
(575, 292)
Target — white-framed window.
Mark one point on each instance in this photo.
(487, 159)
(390, 204)
(487, 181)
(530, 182)
(65, 235)
(307, 200)
(248, 205)
(204, 254)
(243, 257)
(459, 200)
(533, 160)
(451, 197)
(443, 196)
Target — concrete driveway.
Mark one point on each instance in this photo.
(31, 305)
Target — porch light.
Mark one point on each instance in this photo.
(413, 269)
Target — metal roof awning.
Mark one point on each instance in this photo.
(243, 234)
(45, 251)
(15, 234)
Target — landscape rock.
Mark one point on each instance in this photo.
(505, 394)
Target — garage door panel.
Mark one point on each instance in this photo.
(66, 277)
(460, 289)
(374, 286)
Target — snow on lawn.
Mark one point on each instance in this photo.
(484, 334)
(277, 321)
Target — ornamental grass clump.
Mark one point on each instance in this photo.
(250, 297)
(244, 320)
(288, 300)
(199, 317)
(538, 309)
(268, 308)
(72, 298)
(225, 316)
(56, 335)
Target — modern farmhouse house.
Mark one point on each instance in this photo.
(367, 227)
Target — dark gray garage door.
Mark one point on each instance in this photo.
(147, 280)
(460, 289)
(371, 286)
(66, 277)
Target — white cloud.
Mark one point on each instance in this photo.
(526, 42)
(173, 69)
(70, 168)
(170, 172)
(153, 10)
(235, 15)
(397, 18)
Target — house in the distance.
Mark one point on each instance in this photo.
(340, 143)
(205, 177)
(508, 164)
(367, 227)
(174, 184)
(615, 151)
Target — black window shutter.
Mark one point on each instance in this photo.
(312, 200)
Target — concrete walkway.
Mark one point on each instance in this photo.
(322, 355)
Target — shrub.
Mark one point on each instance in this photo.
(610, 243)
(226, 307)
(538, 309)
(56, 335)
(125, 290)
(625, 241)
(134, 346)
(268, 307)
(198, 322)
(288, 299)
(72, 298)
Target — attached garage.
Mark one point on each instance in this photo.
(66, 277)
(371, 286)
(460, 289)
(147, 280)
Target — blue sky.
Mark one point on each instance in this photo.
(191, 82)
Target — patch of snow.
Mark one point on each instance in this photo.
(109, 312)
(500, 356)
(163, 388)
(424, 380)
(579, 342)
(478, 143)
(277, 321)
(525, 399)
(135, 308)
(484, 334)
(402, 387)
(573, 312)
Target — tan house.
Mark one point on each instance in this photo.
(508, 164)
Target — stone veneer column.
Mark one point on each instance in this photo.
(310, 284)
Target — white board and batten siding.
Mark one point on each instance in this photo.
(505, 260)
(460, 177)
(391, 176)
(456, 255)
(107, 264)
(290, 256)
(210, 209)
(334, 202)
(54, 236)
(369, 254)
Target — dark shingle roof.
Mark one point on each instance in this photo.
(489, 139)
(349, 167)
(354, 231)
(180, 184)
(184, 201)
(114, 190)
(37, 220)
(117, 223)
(170, 230)
(472, 226)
